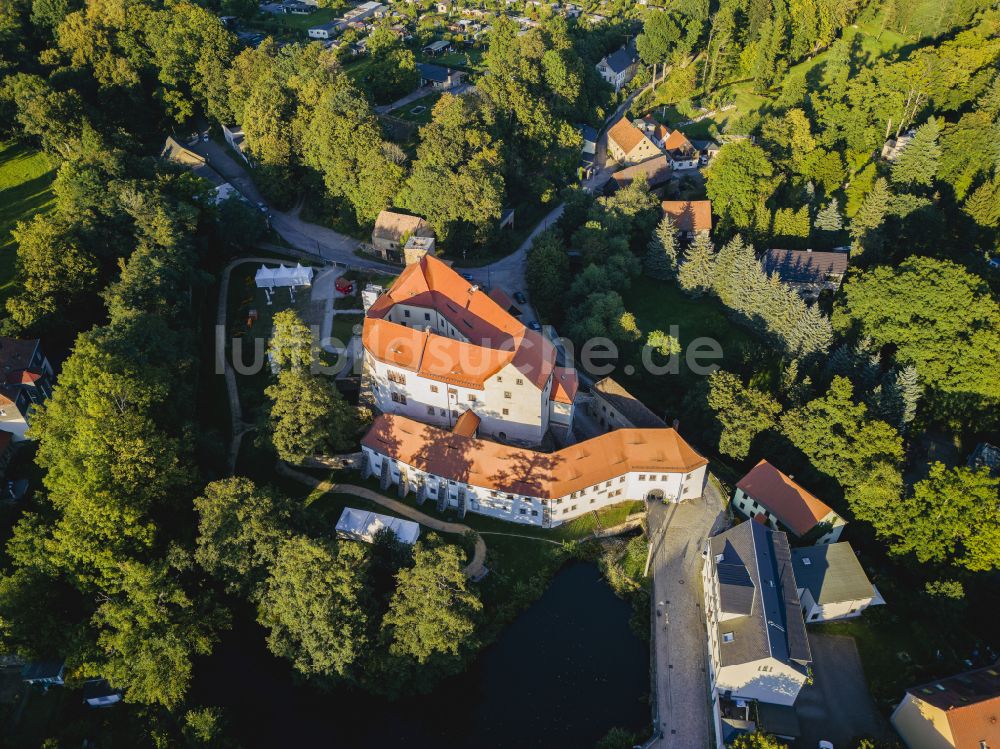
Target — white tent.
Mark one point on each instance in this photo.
(269, 278)
(362, 525)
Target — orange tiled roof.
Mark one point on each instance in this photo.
(626, 135)
(495, 337)
(797, 509)
(467, 424)
(564, 384)
(689, 215)
(677, 140)
(971, 703)
(511, 469)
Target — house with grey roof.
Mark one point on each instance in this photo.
(831, 582)
(758, 650)
(620, 66)
(438, 76)
(808, 272)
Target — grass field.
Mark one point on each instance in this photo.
(471, 59)
(290, 23)
(421, 117)
(25, 188)
(659, 304)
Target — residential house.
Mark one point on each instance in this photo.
(690, 217)
(236, 140)
(656, 171)
(831, 582)
(327, 30)
(393, 229)
(439, 47)
(680, 151)
(620, 66)
(27, 382)
(439, 77)
(177, 153)
(707, 150)
(436, 345)
(524, 486)
(986, 456)
(808, 272)
(588, 151)
(757, 644)
(627, 144)
(958, 712)
(767, 493)
(614, 407)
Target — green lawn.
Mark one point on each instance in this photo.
(659, 304)
(343, 327)
(425, 105)
(873, 45)
(291, 23)
(741, 95)
(25, 188)
(471, 59)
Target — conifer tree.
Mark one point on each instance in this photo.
(696, 272)
(867, 222)
(829, 218)
(917, 164)
(661, 255)
(910, 390)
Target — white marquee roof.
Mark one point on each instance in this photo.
(283, 276)
(363, 525)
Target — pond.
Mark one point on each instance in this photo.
(565, 671)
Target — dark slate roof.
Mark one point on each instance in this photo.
(775, 628)
(435, 73)
(804, 266)
(736, 589)
(986, 455)
(781, 720)
(622, 58)
(968, 688)
(589, 134)
(38, 670)
(831, 573)
(96, 688)
(627, 404)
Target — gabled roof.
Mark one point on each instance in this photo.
(831, 573)
(626, 135)
(689, 215)
(466, 424)
(971, 702)
(564, 384)
(678, 142)
(805, 266)
(495, 338)
(627, 404)
(621, 59)
(491, 465)
(656, 170)
(774, 628)
(393, 225)
(797, 509)
(436, 73)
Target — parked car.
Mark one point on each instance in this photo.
(344, 286)
(467, 277)
(520, 298)
(534, 325)
(262, 207)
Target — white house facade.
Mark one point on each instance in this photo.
(831, 583)
(757, 644)
(436, 346)
(468, 474)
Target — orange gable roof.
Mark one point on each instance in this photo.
(564, 384)
(491, 465)
(689, 215)
(797, 509)
(677, 140)
(625, 134)
(495, 337)
(467, 424)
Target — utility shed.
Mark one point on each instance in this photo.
(361, 525)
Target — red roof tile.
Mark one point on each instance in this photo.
(797, 509)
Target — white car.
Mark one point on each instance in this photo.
(825, 745)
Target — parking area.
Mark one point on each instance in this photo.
(837, 706)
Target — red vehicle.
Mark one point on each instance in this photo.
(344, 286)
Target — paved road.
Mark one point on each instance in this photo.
(678, 533)
(411, 97)
(476, 566)
(313, 238)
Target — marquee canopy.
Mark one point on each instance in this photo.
(269, 278)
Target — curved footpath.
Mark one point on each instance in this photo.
(475, 569)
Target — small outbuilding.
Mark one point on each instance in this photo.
(100, 693)
(361, 525)
(46, 673)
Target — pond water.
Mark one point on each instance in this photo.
(565, 671)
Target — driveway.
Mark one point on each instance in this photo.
(313, 238)
(413, 96)
(678, 533)
(837, 706)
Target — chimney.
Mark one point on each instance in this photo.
(677, 424)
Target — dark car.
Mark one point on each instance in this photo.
(534, 325)
(520, 298)
(467, 277)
